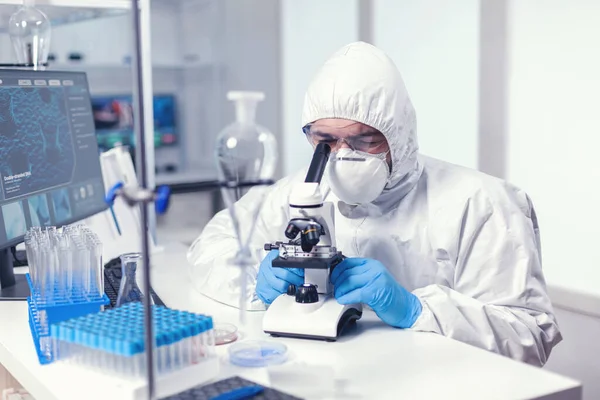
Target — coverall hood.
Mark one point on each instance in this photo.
(359, 82)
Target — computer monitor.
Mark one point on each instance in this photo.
(49, 160)
(113, 118)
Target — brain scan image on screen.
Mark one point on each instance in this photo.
(38, 209)
(14, 220)
(62, 205)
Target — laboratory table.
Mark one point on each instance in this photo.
(373, 361)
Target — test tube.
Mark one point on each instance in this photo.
(186, 345)
(211, 336)
(47, 271)
(96, 274)
(36, 256)
(58, 282)
(42, 264)
(197, 341)
(66, 262)
(80, 266)
(30, 249)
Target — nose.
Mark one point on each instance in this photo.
(340, 144)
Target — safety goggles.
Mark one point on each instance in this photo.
(368, 142)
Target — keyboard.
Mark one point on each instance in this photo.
(220, 388)
(112, 282)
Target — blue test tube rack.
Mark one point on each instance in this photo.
(43, 313)
(113, 341)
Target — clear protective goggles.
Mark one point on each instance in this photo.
(371, 141)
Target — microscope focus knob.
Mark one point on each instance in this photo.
(291, 290)
(307, 293)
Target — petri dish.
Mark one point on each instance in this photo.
(257, 353)
(225, 333)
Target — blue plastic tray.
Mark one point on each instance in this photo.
(44, 314)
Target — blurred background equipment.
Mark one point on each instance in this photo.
(113, 119)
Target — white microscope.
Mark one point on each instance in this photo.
(310, 311)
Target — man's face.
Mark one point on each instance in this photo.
(343, 133)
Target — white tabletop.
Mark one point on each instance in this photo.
(373, 361)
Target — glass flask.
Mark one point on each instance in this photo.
(246, 154)
(29, 30)
(128, 290)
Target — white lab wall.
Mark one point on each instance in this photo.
(201, 24)
(251, 56)
(435, 44)
(552, 146)
(578, 355)
(554, 127)
(311, 31)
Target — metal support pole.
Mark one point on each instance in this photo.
(139, 107)
(493, 86)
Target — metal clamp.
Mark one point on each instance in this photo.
(134, 195)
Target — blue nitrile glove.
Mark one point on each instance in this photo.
(271, 282)
(367, 281)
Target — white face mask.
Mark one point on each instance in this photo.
(357, 177)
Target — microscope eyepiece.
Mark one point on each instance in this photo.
(318, 163)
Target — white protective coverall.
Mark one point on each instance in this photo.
(465, 243)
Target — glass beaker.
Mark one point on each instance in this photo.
(128, 290)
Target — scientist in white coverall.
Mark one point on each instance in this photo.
(432, 246)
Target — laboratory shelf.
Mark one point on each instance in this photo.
(124, 67)
(61, 12)
(75, 3)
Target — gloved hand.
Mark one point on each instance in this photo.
(367, 281)
(271, 282)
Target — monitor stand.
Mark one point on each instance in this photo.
(12, 286)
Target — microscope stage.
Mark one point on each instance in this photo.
(306, 263)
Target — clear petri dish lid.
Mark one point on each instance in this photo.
(257, 353)
(225, 333)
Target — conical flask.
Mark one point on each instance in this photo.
(246, 156)
(30, 30)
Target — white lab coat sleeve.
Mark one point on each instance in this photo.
(498, 301)
(210, 256)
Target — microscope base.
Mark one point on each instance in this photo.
(325, 320)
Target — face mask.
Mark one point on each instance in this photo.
(357, 177)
